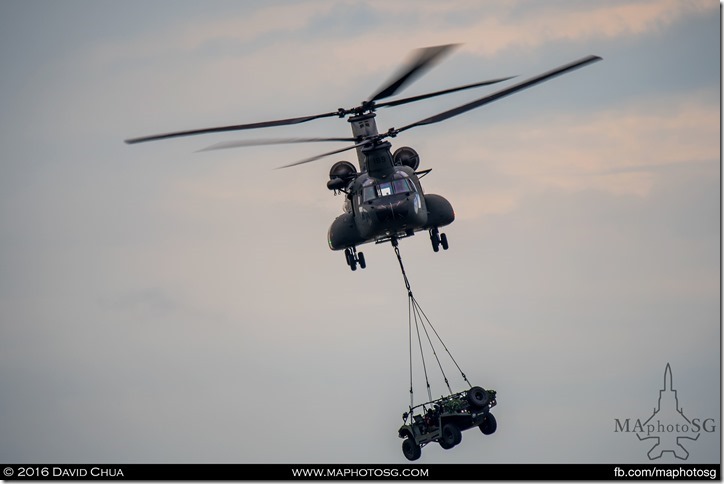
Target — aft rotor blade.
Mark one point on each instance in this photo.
(504, 92)
(423, 59)
(236, 127)
(271, 141)
(317, 157)
(398, 102)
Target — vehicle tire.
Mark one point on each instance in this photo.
(443, 241)
(458, 435)
(489, 425)
(361, 260)
(411, 450)
(477, 397)
(450, 436)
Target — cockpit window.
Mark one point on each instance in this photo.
(384, 189)
(368, 193)
(402, 185)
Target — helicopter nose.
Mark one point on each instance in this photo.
(392, 212)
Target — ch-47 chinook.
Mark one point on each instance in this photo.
(384, 200)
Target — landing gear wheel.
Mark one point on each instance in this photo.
(443, 241)
(489, 425)
(450, 436)
(435, 239)
(411, 450)
(353, 258)
(477, 397)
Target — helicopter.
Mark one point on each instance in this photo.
(383, 196)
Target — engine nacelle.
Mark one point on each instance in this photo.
(342, 169)
(341, 174)
(406, 156)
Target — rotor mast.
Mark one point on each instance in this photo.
(364, 127)
(375, 156)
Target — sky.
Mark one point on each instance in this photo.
(164, 305)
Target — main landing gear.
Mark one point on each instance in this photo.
(353, 258)
(438, 239)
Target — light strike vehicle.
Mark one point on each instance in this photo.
(443, 420)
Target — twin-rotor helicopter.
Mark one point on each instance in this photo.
(384, 200)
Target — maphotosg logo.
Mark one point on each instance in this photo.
(667, 428)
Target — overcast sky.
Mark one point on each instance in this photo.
(162, 305)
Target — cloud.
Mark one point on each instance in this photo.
(240, 25)
(180, 292)
(483, 28)
(616, 151)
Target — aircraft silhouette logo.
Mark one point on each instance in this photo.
(667, 427)
(667, 424)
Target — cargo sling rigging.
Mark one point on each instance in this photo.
(420, 319)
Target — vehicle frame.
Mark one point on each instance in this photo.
(443, 420)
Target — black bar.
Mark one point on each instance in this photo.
(320, 472)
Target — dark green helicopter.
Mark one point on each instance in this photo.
(384, 200)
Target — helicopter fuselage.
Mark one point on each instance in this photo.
(378, 209)
(385, 200)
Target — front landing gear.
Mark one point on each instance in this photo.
(353, 258)
(438, 239)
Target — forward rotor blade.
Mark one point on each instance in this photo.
(317, 157)
(237, 127)
(399, 102)
(422, 60)
(504, 92)
(271, 141)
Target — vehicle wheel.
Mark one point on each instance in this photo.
(477, 397)
(489, 425)
(458, 435)
(451, 436)
(361, 260)
(443, 241)
(411, 450)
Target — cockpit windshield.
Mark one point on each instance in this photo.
(401, 185)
